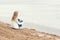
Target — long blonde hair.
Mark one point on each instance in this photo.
(15, 15)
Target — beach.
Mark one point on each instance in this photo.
(8, 33)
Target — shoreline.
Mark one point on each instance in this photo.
(24, 34)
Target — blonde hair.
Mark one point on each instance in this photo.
(15, 15)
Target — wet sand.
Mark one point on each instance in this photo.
(8, 33)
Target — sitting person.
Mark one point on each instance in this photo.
(16, 22)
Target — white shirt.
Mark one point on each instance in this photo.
(15, 25)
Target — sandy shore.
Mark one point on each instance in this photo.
(7, 33)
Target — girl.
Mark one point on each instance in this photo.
(16, 23)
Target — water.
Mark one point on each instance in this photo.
(31, 25)
(42, 28)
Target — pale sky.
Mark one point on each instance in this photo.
(43, 12)
(28, 1)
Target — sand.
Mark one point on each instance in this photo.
(8, 33)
